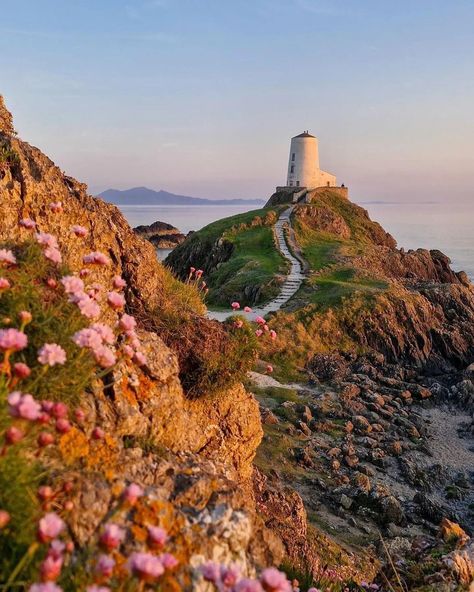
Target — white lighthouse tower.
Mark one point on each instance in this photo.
(303, 164)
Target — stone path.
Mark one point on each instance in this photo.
(290, 286)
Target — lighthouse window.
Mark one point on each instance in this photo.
(293, 157)
(292, 170)
(297, 183)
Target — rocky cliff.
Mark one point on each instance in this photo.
(161, 234)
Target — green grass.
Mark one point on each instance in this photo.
(333, 287)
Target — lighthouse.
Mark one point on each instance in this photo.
(303, 164)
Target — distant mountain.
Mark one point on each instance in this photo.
(148, 197)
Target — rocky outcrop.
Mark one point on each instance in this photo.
(161, 235)
(6, 119)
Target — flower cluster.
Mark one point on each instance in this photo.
(195, 279)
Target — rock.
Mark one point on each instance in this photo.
(304, 428)
(328, 366)
(361, 424)
(351, 461)
(461, 564)
(345, 501)
(268, 417)
(6, 119)
(161, 234)
(391, 510)
(395, 448)
(452, 531)
(361, 481)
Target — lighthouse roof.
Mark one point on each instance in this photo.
(304, 135)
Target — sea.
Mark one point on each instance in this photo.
(429, 225)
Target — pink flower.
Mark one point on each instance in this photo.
(56, 206)
(273, 334)
(4, 518)
(139, 358)
(6, 256)
(266, 327)
(238, 324)
(105, 566)
(95, 258)
(59, 410)
(53, 255)
(246, 585)
(51, 354)
(50, 569)
(274, 580)
(235, 305)
(95, 588)
(258, 332)
(260, 321)
(87, 338)
(88, 307)
(56, 548)
(131, 493)
(13, 435)
(25, 316)
(247, 309)
(84, 272)
(269, 368)
(63, 425)
(21, 370)
(211, 572)
(79, 414)
(115, 300)
(23, 406)
(199, 273)
(47, 240)
(104, 332)
(127, 322)
(12, 340)
(98, 433)
(104, 356)
(27, 223)
(112, 536)
(128, 351)
(52, 283)
(145, 566)
(118, 282)
(72, 284)
(229, 576)
(157, 536)
(49, 527)
(168, 561)
(45, 439)
(4, 284)
(46, 587)
(79, 230)
(45, 492)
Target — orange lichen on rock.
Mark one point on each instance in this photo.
(73, 446)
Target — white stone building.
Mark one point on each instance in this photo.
(303, 164)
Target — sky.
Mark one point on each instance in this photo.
(201, 97)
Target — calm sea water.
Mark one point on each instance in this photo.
(448, 228)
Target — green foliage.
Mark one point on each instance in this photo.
(8, 157)
(55, 320)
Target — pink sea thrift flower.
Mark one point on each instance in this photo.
(247, 309)
(235, 305)
(139, 358)
(157, 536)
(269, 368)
(199, 273)
(132, 493)
(229, 576)
(105, 332)
(98, 433)
(49, 527)
(27, 223)
(59, 410)
(105, 566)
(51, 354)
(50, 568)
(24, 406)
(63, 425)
(104, 356)
(118, 282)
(4, 284)
(128, 351)
(127, 322)
(6, 256)
(45, 439)
(95, 588)
(246, 585)
(145, 566)
(45, 587)
(56, 206)
(95, 258)
(258, 332)
(4, 518)
(13, 435)
(274, 580)
(168, 561)
(45, 492)
(260, 321)
(80, 231)
(12, 340)
(47, 240)
(238, 324)
(115, 300)
(88, 307)
(79, 414)
(112, 536)
(25, 316)
(21, 370)
(211, 572)
(87, 338)
(53, 255)
(72, 284)
(273, 334)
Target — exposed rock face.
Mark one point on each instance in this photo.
(161, 235)
(6, 119)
